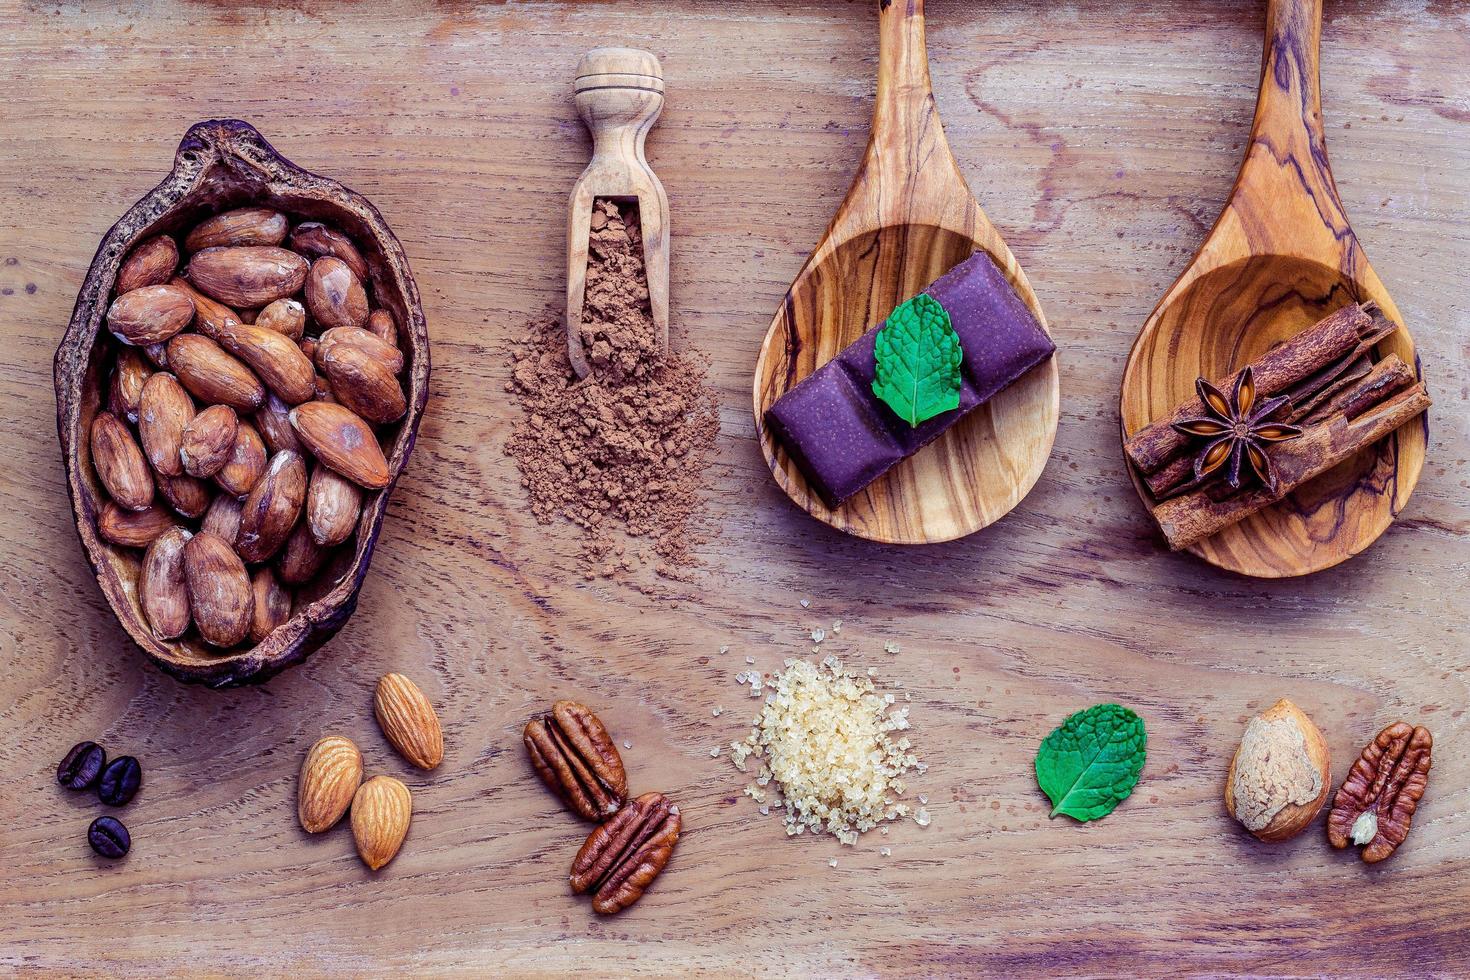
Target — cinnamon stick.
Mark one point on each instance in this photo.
(1192, 517)
(1351, 392)
(1316, 353)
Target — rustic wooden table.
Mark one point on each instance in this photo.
(1101, 138)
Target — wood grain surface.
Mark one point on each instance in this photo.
(1103, 139)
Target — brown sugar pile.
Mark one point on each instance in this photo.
(621, 453)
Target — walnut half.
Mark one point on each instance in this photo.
(1376, 803)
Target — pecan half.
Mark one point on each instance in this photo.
(622, 857)
(576, 758)
(1376, 803)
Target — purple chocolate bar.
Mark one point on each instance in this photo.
(843, 437)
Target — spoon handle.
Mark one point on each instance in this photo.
(908, 175)
(1286, 181)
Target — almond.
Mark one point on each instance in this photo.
(132, 528)
(272, 604)
(242, 226)
(362, 383)
(245, 464)
(343, 441)
(330, 775)
(309, 347)
(188, 496)
(275, 359)
(164, 411)
(408, 720)
(247, 275)
(161, 589)
(284, 316)
(129, 375)
(381, 812)
(209, 316)
(272, 508)
(382, 325)
(207, 440)
(120, 464)
(220, 597)
(273, 421)
(314, 239)
(385, 353)
(301, 557)
(149, 314)
(151, 263)
(223, 517)
(334, 295)
(157, 354)
(333, 505)
(212, 375)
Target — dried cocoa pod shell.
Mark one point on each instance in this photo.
(220, 597)
(222, 165)
(246, 463)
(622, 857)
(212, 375)
(275, 359)
(339, 438)
(575, 757)
(164, 411)
(334, 295)
(189, 497)
(150, 314)
(247, 275)
(284, 316)
(272, 508)
(301, 557)
(151, 263)
(382, 325)
(362, 383)
(242, 226)
(207, 441)
(161, 590)
(1375, 805)
(120, 463)
(222, 517)
(385, 353)
(272, 603)
(210, 316)
(333, 505)
(315, 240)
(129, 375)
(132, 528)
(273, 421)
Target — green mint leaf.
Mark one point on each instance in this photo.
(918, 356)
(1091, 762)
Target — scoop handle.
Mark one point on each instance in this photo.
(619, 95)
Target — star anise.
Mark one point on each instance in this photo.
(1237, 430)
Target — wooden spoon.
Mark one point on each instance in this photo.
(908, 217)
(1281, 257)
(619, 95)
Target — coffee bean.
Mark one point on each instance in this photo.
(120, 780)
(82, 765)
(109, 837)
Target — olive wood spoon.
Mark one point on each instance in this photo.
(619, 95)
(1281, 257)
(908, 218)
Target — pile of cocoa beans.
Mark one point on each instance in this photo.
(237, 438)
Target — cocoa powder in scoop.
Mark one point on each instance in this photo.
(621, 453)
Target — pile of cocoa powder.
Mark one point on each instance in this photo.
(621, 453)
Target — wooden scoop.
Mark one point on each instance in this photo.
(908, 218)
(619, 95)
(1281, 257)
